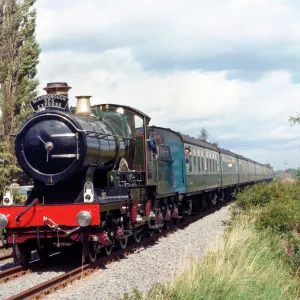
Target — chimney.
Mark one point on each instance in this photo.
(58, 88)
(83, 106)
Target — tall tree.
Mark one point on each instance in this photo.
(203, 135)
(19, 54)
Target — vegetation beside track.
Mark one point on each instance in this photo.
(258, 256)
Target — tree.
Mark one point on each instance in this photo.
(216, 144)
(19, 54)
(297, 175)
(295, 120)
(203, 135)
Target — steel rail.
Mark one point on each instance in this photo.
(13, 273)
(78, 273)
(18, 271)
(7, 256)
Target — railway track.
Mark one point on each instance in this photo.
(4, 257)
(82, 271)
(18, 271)
(5, 253)
(13, 273)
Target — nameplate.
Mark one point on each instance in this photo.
(49, 101)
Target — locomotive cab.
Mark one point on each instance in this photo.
(138, 123)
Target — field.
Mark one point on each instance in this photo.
(258, 257)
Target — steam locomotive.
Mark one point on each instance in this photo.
(102, 175)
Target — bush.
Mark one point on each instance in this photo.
(279, 216)
(279, 203)
(256, 196)
(279, 213)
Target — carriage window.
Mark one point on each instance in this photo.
(138, 125)
(191, 163)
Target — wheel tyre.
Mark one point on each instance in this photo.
(25, 258)
(92, 253)
(159, 229)
(21, 254)
(123, 243)
(108, 250)
(214, 199)
(137, 237)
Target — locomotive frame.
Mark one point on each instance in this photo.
(123, 178)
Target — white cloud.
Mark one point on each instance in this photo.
(101, 48)
(181, 27)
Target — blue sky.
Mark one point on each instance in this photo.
(232, 66)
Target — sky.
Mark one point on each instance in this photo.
(231, 66)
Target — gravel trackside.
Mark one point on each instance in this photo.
(158, 263)
(15, 286)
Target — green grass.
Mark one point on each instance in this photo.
(256, 258)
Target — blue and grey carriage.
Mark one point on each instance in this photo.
(200, 170)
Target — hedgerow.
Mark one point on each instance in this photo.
(279, 213)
